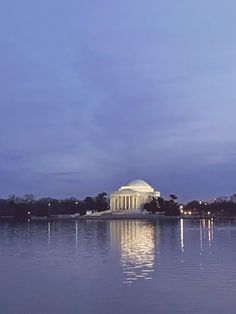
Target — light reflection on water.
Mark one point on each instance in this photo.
(182, 235)
(206, 232)
(136, 242)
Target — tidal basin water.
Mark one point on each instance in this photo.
(120, 266)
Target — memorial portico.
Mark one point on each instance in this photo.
(132, 196)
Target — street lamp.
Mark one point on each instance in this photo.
(29, 215)
(76, 206)
(49, 210)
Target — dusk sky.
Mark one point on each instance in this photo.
(96, 93)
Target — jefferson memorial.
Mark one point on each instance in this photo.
(132, 196)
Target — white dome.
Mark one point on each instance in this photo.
(138, 186)
(138, 182)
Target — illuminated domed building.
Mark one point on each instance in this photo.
(132, 196)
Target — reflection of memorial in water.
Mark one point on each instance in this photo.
(136, 242)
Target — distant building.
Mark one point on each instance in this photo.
(132, 196)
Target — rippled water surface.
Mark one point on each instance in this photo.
(111, 267)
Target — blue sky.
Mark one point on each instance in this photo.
(96, 93)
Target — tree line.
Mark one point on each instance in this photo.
(221, 206)
(22, 207)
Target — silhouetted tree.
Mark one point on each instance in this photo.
(157, 204)
(28, 198)
(171, 206)
(101, 203)
(89, 203)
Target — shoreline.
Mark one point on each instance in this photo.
(150, 217)
(147, 217)
(109, 216)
